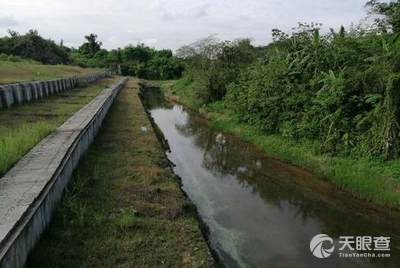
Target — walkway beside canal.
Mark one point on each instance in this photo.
(124, 206)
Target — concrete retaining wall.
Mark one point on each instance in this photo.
(30, 191)
(25, 92)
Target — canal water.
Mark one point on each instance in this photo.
(261, 212)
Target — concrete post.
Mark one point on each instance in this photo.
(18, 93)
(7, 95)
(27, 92)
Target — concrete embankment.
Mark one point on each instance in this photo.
(13, 94)
(30, 191)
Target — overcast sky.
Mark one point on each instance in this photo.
(170, 23)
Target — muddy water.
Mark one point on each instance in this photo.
(260, 211)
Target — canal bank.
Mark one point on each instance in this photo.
(30, 190)
(370, 179)
(262, 212)
(124, 206)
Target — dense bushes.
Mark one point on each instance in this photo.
(140, 61)
(213, 65)
(144, 62)
(12, 58)
(341, 88)
(32, 46)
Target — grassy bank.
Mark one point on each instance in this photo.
(16, 142)
(369, 179)
(25, 71)
(24, 126)
(124, 207)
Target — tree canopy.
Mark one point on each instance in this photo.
(339, 89)
(32, 46)
(139, 60)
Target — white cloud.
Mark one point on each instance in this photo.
(150, 42)
(170, 23)
(181, 10)
(8, 21)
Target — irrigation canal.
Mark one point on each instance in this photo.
(261, 212)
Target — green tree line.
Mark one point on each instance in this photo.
(32, 46)
(139, 60)
(340, 88)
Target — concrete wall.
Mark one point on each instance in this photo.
(25, 92)
(30, 191)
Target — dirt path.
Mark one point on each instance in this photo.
(124, 207)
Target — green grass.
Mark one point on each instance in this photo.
(182, 90)
(25, 71)
(124, 207)
(15, 143)
(22, 127)
(369, 179)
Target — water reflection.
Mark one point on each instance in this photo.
(261, 212)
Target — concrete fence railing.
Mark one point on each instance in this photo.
(30, 191)
(19, 93)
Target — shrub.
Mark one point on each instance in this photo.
(32, 46)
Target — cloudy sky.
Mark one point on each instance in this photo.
(170, 23)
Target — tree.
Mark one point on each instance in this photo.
(214, 64)
(390, 11)
(91, 47)
(139, 53)
(32, 46)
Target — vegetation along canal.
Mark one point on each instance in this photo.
(261, 212)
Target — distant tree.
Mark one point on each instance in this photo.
(214, 64)
(186, 52)
(390, 11)
(139, 53)
(12, 33)
(32, 46)
(165, 53)
(279, 35)
(91, 47)
(114, 60)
